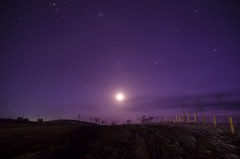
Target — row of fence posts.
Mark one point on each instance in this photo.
(187, 119)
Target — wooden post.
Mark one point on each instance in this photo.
(184, 118)
(231, 125)
(189, 118)
(176, 119)
(179, 118)
(195, 118)
(204, 119)
(214, 121)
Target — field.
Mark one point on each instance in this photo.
(89, 141)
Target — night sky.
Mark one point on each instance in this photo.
(68, 57)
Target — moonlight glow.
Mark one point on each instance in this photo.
(120, 97)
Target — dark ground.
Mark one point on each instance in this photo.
(82, 140)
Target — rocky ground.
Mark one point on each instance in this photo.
(117, 142)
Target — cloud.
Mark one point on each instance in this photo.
(196, 102)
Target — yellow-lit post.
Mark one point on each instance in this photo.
(189, 119)
(214, 121)
(204, 119)
(231, 125)
(184, 118)
(195, 118)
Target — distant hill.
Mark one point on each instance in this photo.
(68, 121)
(4, 120)
(10, 120)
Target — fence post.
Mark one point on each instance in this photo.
(204, 119)
(189, 119)
(184, 118)
(214, 121)
(231, 125)
(195, 118)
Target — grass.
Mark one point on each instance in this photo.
(61, 140)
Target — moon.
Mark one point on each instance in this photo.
(120, 97)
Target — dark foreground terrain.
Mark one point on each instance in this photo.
(72, 140)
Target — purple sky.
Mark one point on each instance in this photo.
(65, 57)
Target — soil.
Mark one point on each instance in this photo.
(155, 141)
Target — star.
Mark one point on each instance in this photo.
(228, 75)
(81, 62)
(100, 14)
(57, 11)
